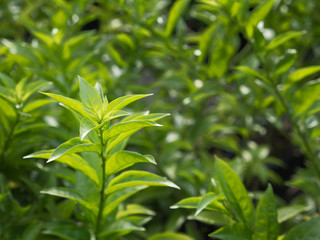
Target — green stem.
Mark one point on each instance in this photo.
(102, 195)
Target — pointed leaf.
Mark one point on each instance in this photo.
(266, 221)
(89, 96)
(146, 116)
(73, 160)
(205, 201)
(32, 88)
(32, 231)
(193, 203)
(119, 128)
(235, 192)
(114, 199)
(260, 12)
(119, 141)
(121, 102)
(303, 73)
(231, 232)
(309, 230)
(282, 38)
(121, 227)
(170, 236)
(86, 126)
(70, 103)
(176, 12)
(287, 212)
(72, 195)
(7, 81)
(74, 145)
(136, 178)
(123, 159)
(36, 104)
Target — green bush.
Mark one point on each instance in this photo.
(239, 79)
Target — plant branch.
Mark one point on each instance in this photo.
(102, 195)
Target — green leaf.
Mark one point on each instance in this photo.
(121, 227)
(260, 12)
(73, 160)
(282, 38)
(86, 126)
(89, 96)
(72, 195)
(74, 145)
(252, 72)
(121, 102)
(235, 192)
(36, 104)
(7, 81)
(146, 116)
(32, 88)
(8, 94)
(266, 221)
(309, 230)
(286, 62)
(170, 236)
(66, 231)
(205, 201)
(287, 212)
(213, 218)
(32, 231)
(193, 203)
(124, 127)
(303, 73)
(134, 209)
(205, 41)
(114, 199)
(231, 232)
(257, 15)
(136, 178)
(123, 159)
(176, 12)
(70, 103)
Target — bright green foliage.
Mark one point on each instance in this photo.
(239, 78)
(96, 133)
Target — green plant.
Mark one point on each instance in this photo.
(230, 206)
(101, 183)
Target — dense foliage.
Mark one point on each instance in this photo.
(237, 156)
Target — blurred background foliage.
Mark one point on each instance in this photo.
(239, 78)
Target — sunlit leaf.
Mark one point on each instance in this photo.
(73, 160)
(70, 103)
(74, 145)
(123, 159)
(176, 12)
(235, 192)
(136, 178)
(72, 195)
(282, 38)
(89, 95)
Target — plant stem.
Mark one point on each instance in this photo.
(102, 195)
